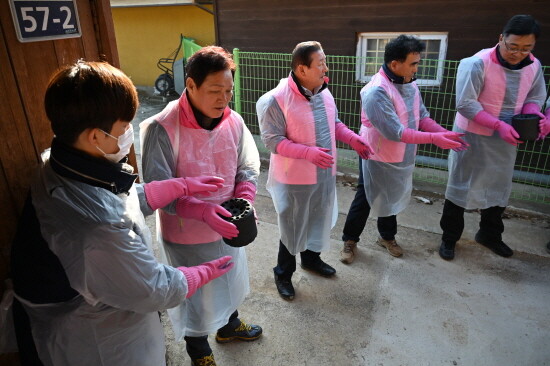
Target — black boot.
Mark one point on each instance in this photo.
(319, 267)
(312, 261)
(447, 250)
(497, 246)
(284, 287)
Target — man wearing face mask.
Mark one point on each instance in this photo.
(394, 121)
(300, 126)
(491, 87)
(87, 285)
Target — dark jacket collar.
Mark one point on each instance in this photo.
(525, 62)
(301, 89)
(75, 164)
(394, 78)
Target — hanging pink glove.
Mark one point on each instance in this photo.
(429, 125)
(445, 140)
(161, 192)
(347, 136)
(544, 123)
(200, 275)
(313, 154)
(246, 190)
(506, 131)
(192, 208)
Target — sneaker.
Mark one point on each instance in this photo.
(447, 251)
(391, 246)
(347, 255)
(497, 247)
(244, 332)
(204, 361)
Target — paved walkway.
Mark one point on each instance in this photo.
(479, 309)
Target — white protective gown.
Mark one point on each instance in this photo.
(104, 246)
(206, 152)
(306, 212)
(388, 186)
(481, 176)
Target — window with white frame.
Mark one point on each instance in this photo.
(370, 56)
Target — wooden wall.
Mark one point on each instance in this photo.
(278, 25)
(25, 131)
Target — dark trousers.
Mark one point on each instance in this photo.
(491, 226)
(359, 212)
(27, 351)
(286, 262)
(198, 347)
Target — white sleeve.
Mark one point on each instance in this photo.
(469, 82)
(380, 111)
(157, 158)
(272, 122)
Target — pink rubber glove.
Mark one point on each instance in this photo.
(448, 140)
(347, 136)
(361, 147)
(192, 208)
(200, 275)
(506, 131)
(532, 108)
(429, 125)
(161, 192)
(246, 190)
(445, 140)
(544, 123)
(313, 154)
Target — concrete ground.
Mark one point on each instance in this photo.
(479, 309)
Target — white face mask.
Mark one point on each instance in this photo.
(125, 142)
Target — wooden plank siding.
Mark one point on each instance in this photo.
(25, 69)
(278, 25)
(17, 152)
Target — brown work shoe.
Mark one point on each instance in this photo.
(391, 246)
(347, 254)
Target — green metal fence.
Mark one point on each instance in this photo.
(260, 72)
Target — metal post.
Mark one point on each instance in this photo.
(237, 81)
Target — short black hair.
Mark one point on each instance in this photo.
(522, 25)
(88, 95)
(301, 55)
(208, 60)
(398, 49)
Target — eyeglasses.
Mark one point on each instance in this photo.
(515, 50)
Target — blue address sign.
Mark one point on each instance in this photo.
(39, 20)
